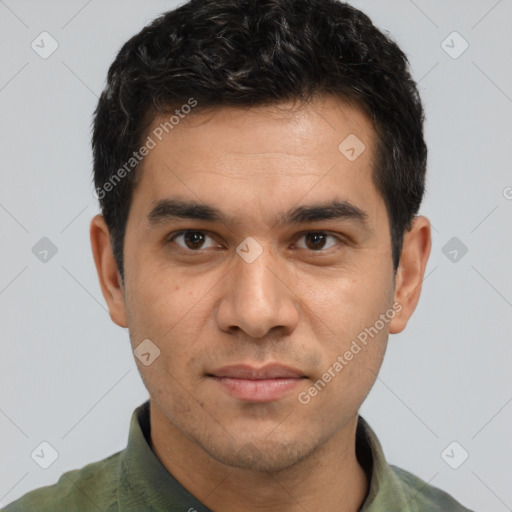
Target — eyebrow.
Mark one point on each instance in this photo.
(168, 209)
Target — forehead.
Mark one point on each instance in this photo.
(253, 160)
(290, 129)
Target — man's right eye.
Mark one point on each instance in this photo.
(192, 240)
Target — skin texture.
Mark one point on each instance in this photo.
(301, 303)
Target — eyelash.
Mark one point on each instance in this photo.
(172, 237)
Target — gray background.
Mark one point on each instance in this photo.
(67, 375)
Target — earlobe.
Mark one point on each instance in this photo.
(108, 273)
(410, 273)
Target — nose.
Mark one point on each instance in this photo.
(257, 298)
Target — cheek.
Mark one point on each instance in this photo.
(348, 313)
(351, 362)
(347, 304)
(172, 312)
(162, 297)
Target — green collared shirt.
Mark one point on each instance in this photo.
(135, 480)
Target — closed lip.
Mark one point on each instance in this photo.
(269, 371)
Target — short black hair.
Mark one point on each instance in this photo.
(248, 53)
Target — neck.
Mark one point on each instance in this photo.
(329, 479)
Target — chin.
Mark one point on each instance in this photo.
(262, 455)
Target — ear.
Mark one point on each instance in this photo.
(410, 274)
(108, 274)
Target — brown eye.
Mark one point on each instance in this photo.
(316, 240)
(193, 240)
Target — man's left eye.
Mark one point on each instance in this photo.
(315, 240)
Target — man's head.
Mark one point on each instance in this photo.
(247, 53)
(282, 169)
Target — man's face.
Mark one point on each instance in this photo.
(301, 302)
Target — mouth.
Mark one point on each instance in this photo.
(252, 384)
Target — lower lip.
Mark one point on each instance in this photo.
(264, 390)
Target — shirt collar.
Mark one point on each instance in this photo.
(144, 483)
(385, 490)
